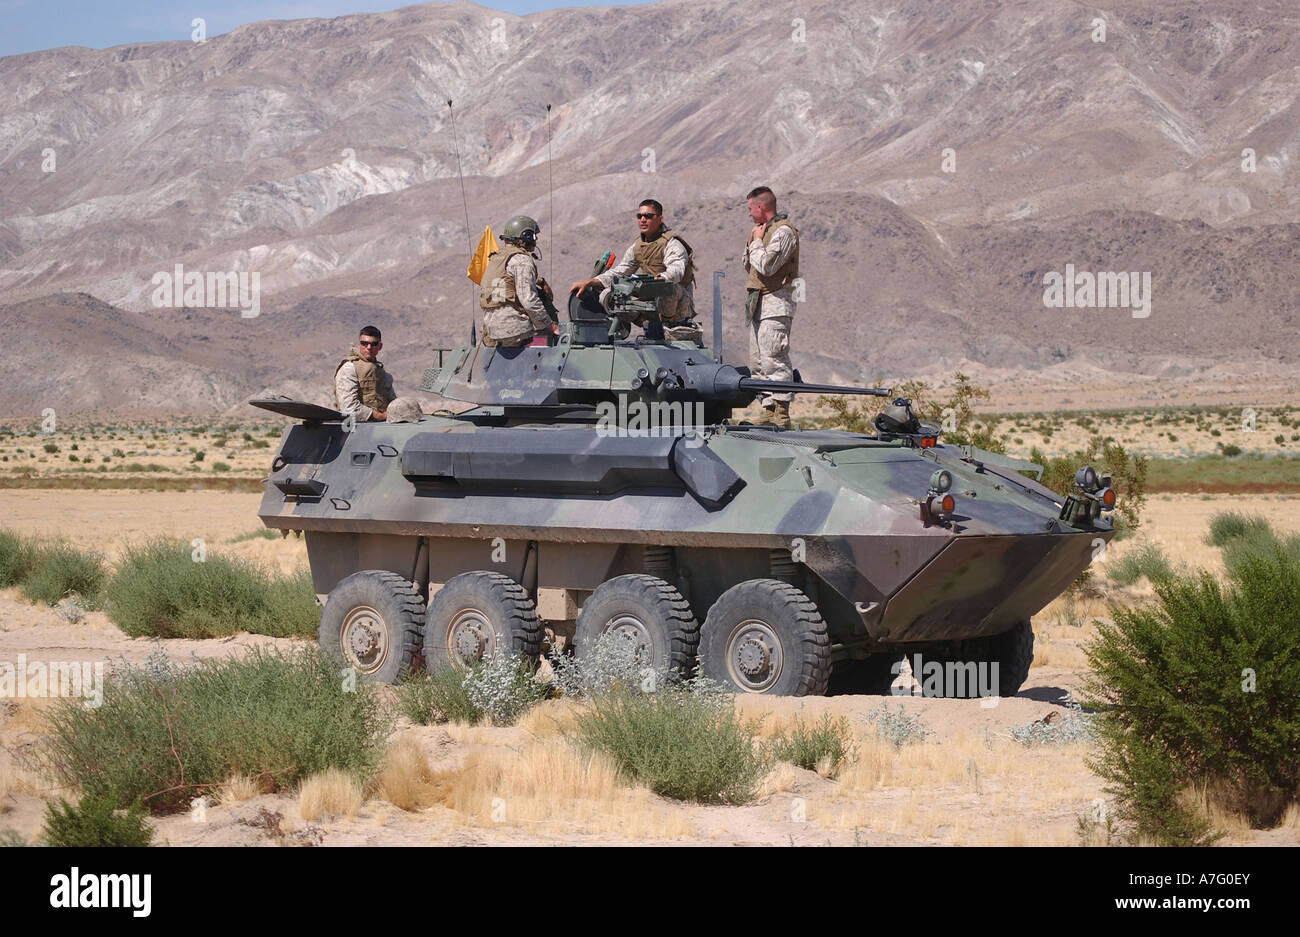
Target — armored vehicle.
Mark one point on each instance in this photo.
(600, 485)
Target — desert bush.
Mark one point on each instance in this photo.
(17, 558)
(160, 590)
(613, 663)
(436, 696)
(1147, 560)
(1075, 726)
(50, 447)
(60, 570)
(220, 467)
(167, 733)
(680, 741)
(95, 822)
(503, 688)
(199, 455)
(824, 746)
(1203, 688)
(896, 728)
(1227, 526)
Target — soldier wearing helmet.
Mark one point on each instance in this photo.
(511, 291)
(664, 254)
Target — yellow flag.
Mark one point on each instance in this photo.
(478, 263)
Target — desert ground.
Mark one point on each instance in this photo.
(968, 782)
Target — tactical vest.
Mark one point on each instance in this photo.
(650, 255)
(497, 286)
(784, 275)
(369, 380)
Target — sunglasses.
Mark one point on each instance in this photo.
(646, 214)
(372, 344)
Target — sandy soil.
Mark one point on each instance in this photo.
(969, 782)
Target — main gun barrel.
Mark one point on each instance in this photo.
(758, 385)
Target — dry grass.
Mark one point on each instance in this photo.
(329, 794)
(550, 782)
(405, 779)
(551, 718)
(237, 789)
(783, 777)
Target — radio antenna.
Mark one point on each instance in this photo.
(464, 200)
(550, 172)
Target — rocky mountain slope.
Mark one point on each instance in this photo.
(320, 155)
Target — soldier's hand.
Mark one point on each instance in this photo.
(379, 415)
(546, 288)
(581, 285)
(554, 329)
(756, 232)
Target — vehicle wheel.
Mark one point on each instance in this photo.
(476, 615)
(765, 636)
(372, 621)
(1014, 652)
(647, 611)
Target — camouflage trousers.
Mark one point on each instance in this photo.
(769, 354)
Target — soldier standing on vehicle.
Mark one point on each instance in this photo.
(662, 253)
(511, 292)
(361, 385)
(772, 260)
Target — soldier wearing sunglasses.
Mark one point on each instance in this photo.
(361, 385)
(662, 253)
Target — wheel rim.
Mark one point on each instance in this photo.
(470, 638)
(633, 629)
(364, 638)
(754, 656)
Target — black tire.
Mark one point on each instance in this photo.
(649, 611)
(372, 622)
(1014, 652)
(765, 636)
(476, 615)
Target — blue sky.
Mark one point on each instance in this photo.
(31, 25)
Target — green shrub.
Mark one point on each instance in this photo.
(826, 744)
(681, 742)
(50, 447)
(160, 590)
(94, 822)
(1147, 560)
(60, 570)
(17, 558)
(220, 467)
(1231, 525)
(198, 455)
(435, 697)
(1202, 690)
(166, 733)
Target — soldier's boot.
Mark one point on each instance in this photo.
(780, 417)
(765, 417)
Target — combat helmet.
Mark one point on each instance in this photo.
(523, 229)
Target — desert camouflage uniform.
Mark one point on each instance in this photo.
(513, 310)
(668, 257)
(362, 387)
(773, 265)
